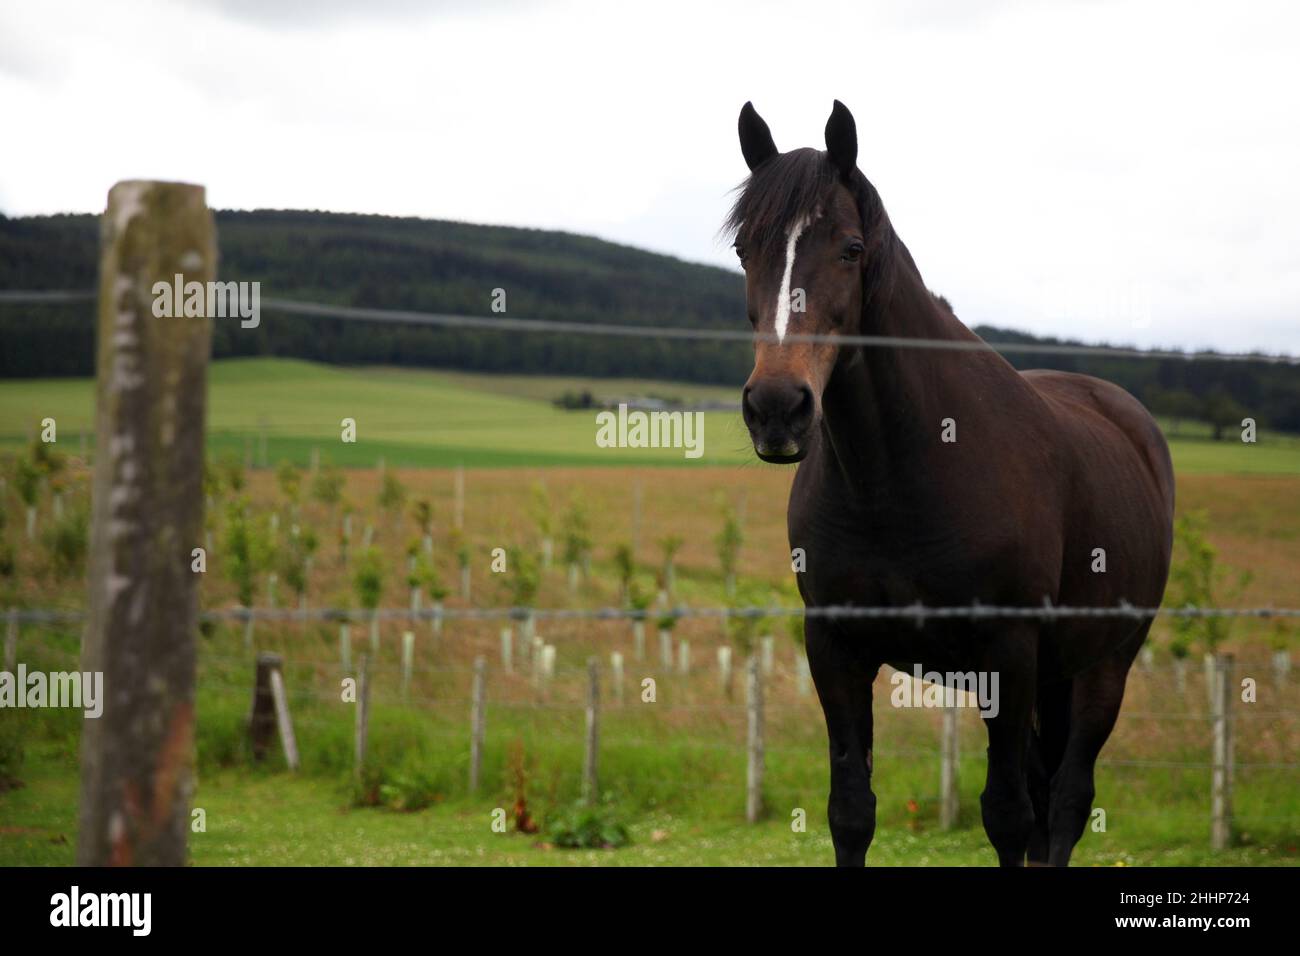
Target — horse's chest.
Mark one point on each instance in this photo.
(879, 557)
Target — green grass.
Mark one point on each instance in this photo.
(417, 418)
(678, 787)
(273, 818)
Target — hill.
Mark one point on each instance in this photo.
(432, 265)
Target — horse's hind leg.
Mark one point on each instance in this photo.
(1046, 747)
(843, 679)
(1005, 805)
(1094, 707)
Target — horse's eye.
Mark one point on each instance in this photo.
(852, 251)
(740, 252)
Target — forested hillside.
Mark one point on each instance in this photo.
(430, 265)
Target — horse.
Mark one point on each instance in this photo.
(941, 475)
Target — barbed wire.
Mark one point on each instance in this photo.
(501, 323)
(916, 613)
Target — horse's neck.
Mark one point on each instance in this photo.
(881, 398)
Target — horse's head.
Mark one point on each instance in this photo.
(806, 231)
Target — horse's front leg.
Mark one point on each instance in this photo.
(843, 679)
(1006, 807)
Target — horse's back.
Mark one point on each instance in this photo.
(1084, 402)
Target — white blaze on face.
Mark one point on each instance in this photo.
(783, 298)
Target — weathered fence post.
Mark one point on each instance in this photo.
(507, 650)
(754, 748)
(261, 718)
(1281, 665)
(477, 722)
(345, 646)
(363, 715)
(616, 675)
(684, 657)
(137, 758)
(802, 674)
(638, 639)
(724, 670)
(408, 661)
(281, 699)
(768, 644)
(1221, 761)
(590, 789)
(948, 757)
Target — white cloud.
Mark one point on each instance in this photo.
(1099, 170)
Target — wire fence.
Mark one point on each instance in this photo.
(919, 614)
(501, 323)
(717, 735)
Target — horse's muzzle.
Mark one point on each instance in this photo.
(779, 415)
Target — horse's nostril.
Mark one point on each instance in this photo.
(803, 408)
(750, 406)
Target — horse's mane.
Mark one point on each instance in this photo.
(786, 189)
(782, 191)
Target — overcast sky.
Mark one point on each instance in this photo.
(1106, 171)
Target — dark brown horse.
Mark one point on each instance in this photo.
(942, 476)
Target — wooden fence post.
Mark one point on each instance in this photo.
(261, 718)
(147, 498)
(638, 639)
(1221, 762)
(948, 757)
(684, 657)
(281, 700)
(590, 789)
(802, 674)
(363, 715)
(754, 748)
(616, 675)
(478, 721)
(724, 670)
(548, 665)
(408, 661)
(345, 646)
(507, 650)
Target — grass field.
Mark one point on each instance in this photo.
(416, 418)
(672, 773)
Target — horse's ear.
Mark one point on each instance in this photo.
(755, 138)
(842, 140)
